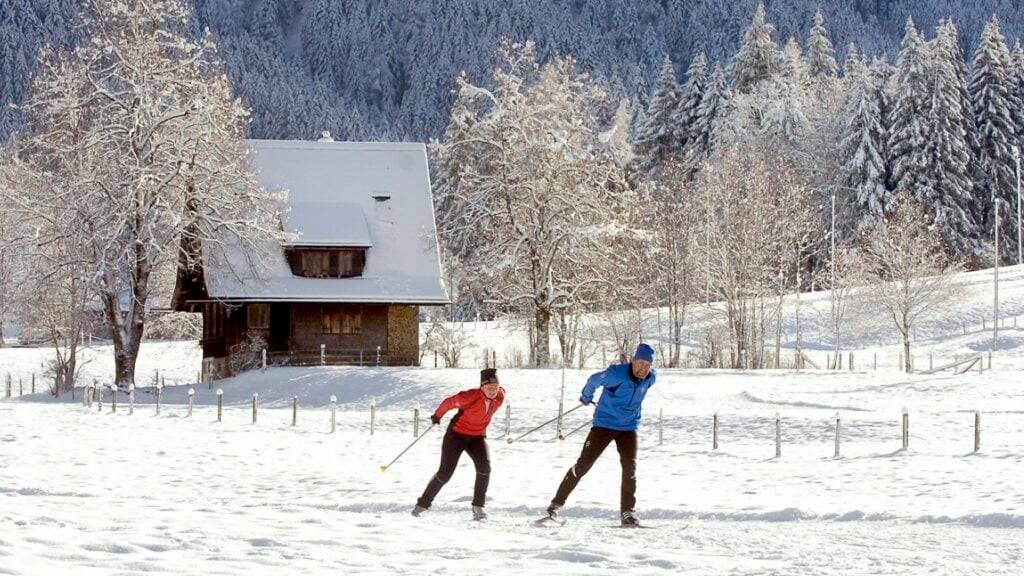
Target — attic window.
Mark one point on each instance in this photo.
(327, 263)
(381, 197)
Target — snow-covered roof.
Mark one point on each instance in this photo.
(362, 194)
(327, 224)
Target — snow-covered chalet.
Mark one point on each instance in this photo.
(360, 258)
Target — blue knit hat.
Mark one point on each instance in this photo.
(644, 352)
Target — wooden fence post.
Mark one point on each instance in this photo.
(837, 435)
(33, 382)
(714, 431)
(906, 429)
(851, 361)
(220, 405)
(977, 427)
(255, 400)
(558, 424)
(191, 399)
(263, 355)
(21, 388)
(295, 411)
(828, 361)
(378, 355)
(508, 419)
(930, 360)
(8, 385)
(334, 408)
(159, 395)
(323, 355)
(373, 415)
(99, 395)
(113, 398)
(778, 436)
(416, 421)
(131, 399)
(661, 426)
(874, 361)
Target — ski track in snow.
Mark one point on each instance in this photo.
(90, 492)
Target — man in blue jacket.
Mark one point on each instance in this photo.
(616, 418)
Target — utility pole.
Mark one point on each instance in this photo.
(832, 288)
(995, 276)
(1016, 160)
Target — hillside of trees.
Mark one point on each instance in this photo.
(384, 69)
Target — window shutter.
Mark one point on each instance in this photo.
(333, 265)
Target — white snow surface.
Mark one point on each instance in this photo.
(94, 492)
(171, 494)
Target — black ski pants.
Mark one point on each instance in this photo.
(452, 447)
(597, 440)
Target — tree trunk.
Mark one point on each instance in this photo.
(906, 351)
(127, 336)
(542, 353)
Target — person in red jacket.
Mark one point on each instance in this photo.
(467, 432)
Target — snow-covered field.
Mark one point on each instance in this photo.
(90, 492)
(94, 492)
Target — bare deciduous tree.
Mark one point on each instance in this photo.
(847, 284)
(446, 340)
(530, 200)
(666, 248)
(913, 279)
(756, 219)
(141, 144)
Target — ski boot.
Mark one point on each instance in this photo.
(479, 513)
(629, 519)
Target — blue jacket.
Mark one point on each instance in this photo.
(619, 406)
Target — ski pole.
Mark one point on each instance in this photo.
(388, 465)
(578, 428)
(528, 432)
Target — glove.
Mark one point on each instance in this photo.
(434, 419)
(584, 401)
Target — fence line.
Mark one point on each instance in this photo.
(411, 418)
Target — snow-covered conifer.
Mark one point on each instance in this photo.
(908, 129)
(863, 145)
(948, 197)
(821, 58)
(794, 65)
(996, 130)
(690, 98)
(712, 107)
(758, 57)
(655, 138)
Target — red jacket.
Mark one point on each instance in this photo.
(474, 413)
